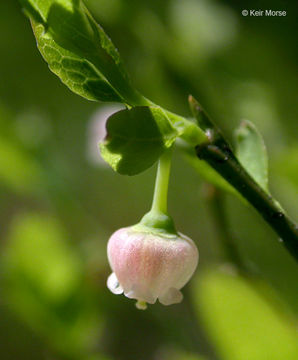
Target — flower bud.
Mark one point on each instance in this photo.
(148, 265)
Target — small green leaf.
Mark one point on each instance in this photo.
(251, 152)
(78, 50)
(136, 138)
(211, 131)
(200, 115)
(212, 134)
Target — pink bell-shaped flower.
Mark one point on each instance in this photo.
(150, 265)
(151, 260)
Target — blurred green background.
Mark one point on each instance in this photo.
(59, 203)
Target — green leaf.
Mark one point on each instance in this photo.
(251, 152)
(136, 138)
(77, 73)
(212, 132)
(241, 321)
(78, 50)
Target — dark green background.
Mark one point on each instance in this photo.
(58, 209)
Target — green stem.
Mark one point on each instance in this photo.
(160, 198)
(157, 219)
(187, 130)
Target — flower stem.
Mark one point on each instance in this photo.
(157, 219)
(160, 198)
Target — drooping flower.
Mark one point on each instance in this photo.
(151, 260)
(148, 265)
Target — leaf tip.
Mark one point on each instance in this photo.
(244, 129)
(191, 99)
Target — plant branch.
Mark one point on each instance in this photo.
(218, 154)
(230, 169)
